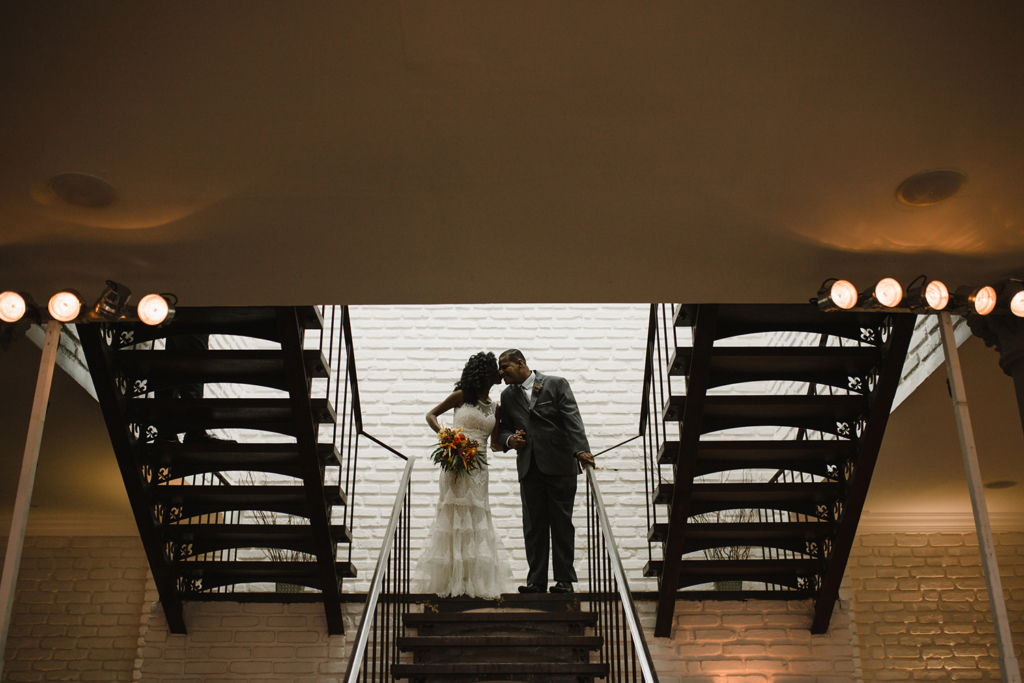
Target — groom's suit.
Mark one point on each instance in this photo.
(547, 470)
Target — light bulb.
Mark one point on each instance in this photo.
(985, 300)
(937, 295)
(888, 292)
(153, 309)
(843, 294)
(1017, 304)
(65, 306)
(12, 307)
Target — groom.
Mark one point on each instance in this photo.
(540, 420)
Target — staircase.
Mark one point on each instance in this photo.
(192, 519)
(782, 526)
(527, 638)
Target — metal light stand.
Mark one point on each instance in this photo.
(19, 522)
(1007, 661)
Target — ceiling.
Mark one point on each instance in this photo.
(390, 152)
(448, 151)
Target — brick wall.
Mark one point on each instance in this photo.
(230, 641)
(78, 609)
(752, 641)
(922, 609)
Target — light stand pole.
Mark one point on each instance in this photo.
(19, 522)
(1007, 661)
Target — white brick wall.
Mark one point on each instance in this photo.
(922, 609)
(77, 610)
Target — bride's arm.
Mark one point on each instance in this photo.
(441, 408)
(494, 432)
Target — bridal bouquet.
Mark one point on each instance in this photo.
(457, 453)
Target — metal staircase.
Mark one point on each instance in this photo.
(767, 517)
(201, 529)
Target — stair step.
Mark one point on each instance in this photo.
(217, 573)
(527, 648)
(259, 322)
(806, 455)
(783, 535)
(199, 539)
(185, 460)
(449, 623)
(561, 672)
(781, 572)
(154, 370)
(739, 319)
(409, 643)
(833, 365)
(182, 415)
(198, 501)
(819, 413)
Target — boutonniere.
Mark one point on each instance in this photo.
(537, 386)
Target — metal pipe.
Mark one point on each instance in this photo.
(1007, 661)
(355, 661)
(19, 522)
(628, 606)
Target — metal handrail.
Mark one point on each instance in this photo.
(629, 607)
(355, 661)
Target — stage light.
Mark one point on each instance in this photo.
(888, 292)
(12, 307)
(842, 295)
(154, 309)
(980, 300)
(112, 302)
(1012, 297)
(933, 295)
(65, 306)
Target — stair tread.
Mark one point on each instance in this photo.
(553, 640)
(499, 617)
(339, 532)
(259, 322)
(256, 571)
(162, 369)
(717, 569)
(739, 319)
(701, 535)
(813, 412)
(403, 670)
(224, 456)
(827, 365)
(173, 410)
(716, 456)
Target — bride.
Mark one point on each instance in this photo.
(463, 555)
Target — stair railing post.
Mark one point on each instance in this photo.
(1007, 660)
(19, 521)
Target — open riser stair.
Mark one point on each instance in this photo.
(770, 509)
(217, 518)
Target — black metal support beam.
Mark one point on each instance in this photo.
(870, 443)
(307, 437)
(113, 404)
(689, 438)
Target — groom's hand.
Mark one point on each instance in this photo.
(585, 458)
(517, 440)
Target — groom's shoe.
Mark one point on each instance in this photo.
(562, 587)
(531, 588)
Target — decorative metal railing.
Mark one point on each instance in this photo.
(624, 647)
(375, 647)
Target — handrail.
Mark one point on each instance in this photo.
(652, 329)
(632, 618)
(355, 661)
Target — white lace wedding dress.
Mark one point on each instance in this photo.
(463, 555)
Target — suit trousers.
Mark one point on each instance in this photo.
(547, 518)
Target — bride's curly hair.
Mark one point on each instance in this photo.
(477, 376)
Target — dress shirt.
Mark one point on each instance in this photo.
(527, 388)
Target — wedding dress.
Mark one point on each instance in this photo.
(463, 555)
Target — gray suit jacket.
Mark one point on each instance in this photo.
(554, 429)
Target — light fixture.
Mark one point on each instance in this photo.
(980, 300)
(154, 309)
(931, 187)
(1013, 295)
(65, 306)
(887, 292)
(841, 295)
(933, 295)
(12, 307)
(112, 302)
(82, 189)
